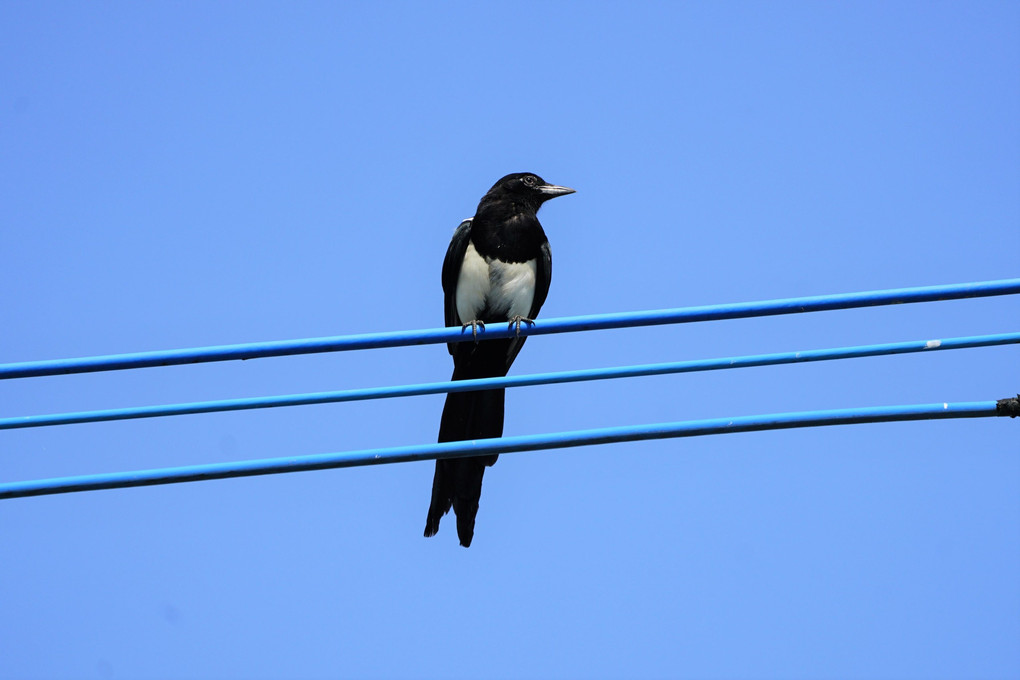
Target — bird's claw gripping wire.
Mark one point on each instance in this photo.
(474, 328)
(516, 324)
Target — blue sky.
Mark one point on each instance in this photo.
(187, 174)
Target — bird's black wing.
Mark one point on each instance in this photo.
(451, 272)
(543, 277)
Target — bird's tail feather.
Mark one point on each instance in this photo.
(458, 481)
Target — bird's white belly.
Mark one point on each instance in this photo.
(494, 289)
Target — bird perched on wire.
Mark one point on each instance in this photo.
(497, 270)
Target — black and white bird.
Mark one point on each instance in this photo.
(497, 270)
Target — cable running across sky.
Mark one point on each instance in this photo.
(458, 449)
(745, 310)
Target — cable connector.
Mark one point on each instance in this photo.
(1008, 407)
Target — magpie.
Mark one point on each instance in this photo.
(497, 270)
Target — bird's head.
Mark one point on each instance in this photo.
(525, 188)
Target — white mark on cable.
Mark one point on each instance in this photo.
(933, 344)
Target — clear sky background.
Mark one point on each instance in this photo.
(187, 174)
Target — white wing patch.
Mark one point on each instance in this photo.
(494, 289)
(472, 285)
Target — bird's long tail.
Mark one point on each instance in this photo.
(458, 481)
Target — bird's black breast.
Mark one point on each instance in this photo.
(508, 236)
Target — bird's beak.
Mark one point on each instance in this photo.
(552, 191)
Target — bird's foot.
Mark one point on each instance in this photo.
(475, 324)
(517, 321)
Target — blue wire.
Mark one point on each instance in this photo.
(693, 428)
(516, 381)
(544, 327)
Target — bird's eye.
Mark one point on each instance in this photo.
(530, 180)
